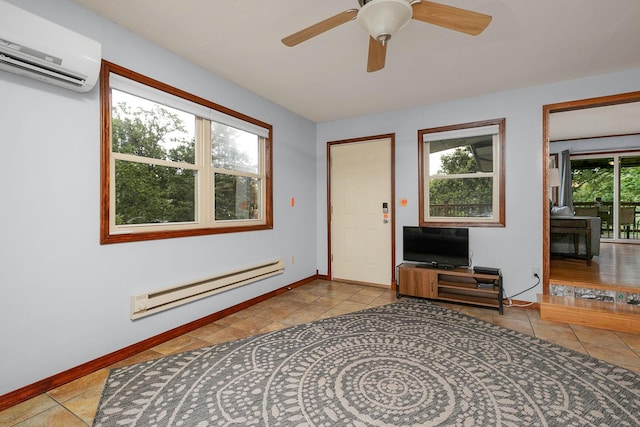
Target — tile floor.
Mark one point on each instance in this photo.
(75, 404)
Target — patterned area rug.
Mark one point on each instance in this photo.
(410, 363)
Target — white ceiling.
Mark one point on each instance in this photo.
(527, 43)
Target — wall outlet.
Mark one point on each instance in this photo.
(293, 260)
(535, 272)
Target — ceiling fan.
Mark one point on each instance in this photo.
(382, 18)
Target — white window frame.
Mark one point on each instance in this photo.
(496, 128)
(206, 112)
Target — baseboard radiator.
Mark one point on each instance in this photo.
(153, 302)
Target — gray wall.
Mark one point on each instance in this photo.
(516, 248)
(64, 298)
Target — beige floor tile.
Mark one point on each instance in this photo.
(632, 368)
(373, 291)
(361, 298)
(273, 326)
(344, 288)
(616, 355)
(26, 410)
(534, 315)
(632, 340)
(85, 406)
(275, 313)
(204, 331)
(316, 291)
(248, 312)
(193, 346)
(180, 344)
(300, 317)
(289, 305)
(232, 318)
(79, 386)
(350, 307)
(554, 331)
(314, 311)
(251, 324)
(599, 336)
(54, 417)
(331, 301)
(227, 334)
(137, 358)
(344, 291)
(299, 295)
(517, 313)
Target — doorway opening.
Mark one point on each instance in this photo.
(602, 178)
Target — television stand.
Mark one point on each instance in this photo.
(460, 285)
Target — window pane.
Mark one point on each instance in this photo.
(234, 149)
(149, 194)
(461, 198)
(148, 129)
(461, 155)
(237, 197)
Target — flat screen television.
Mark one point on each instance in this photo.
(441, 247)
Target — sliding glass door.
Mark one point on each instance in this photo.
(609, 187)
(629, 197)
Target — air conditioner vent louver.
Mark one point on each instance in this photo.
(42, 70)
(34, 47)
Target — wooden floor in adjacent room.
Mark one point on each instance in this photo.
(617, 267)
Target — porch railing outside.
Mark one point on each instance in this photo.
(450, 210)
(631, 226)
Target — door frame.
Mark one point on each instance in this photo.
(601, 101)
(330, 144)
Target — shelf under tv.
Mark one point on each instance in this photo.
(460, 285)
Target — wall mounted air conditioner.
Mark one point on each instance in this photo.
(34, 47)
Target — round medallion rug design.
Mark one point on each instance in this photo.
(410, 363)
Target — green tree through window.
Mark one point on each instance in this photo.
(150, 193)
(469, 195)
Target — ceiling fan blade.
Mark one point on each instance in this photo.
(450, 17)
(377, 54)
(320, 27)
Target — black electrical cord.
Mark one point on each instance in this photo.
(520, 293)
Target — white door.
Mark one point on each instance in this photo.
(361, 209)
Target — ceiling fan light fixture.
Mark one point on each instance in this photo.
(382, 18)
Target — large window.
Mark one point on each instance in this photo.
(176, 165)
(462, 174)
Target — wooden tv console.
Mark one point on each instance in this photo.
(458, 285)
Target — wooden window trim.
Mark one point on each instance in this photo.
(106, 237)
(501, 220)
